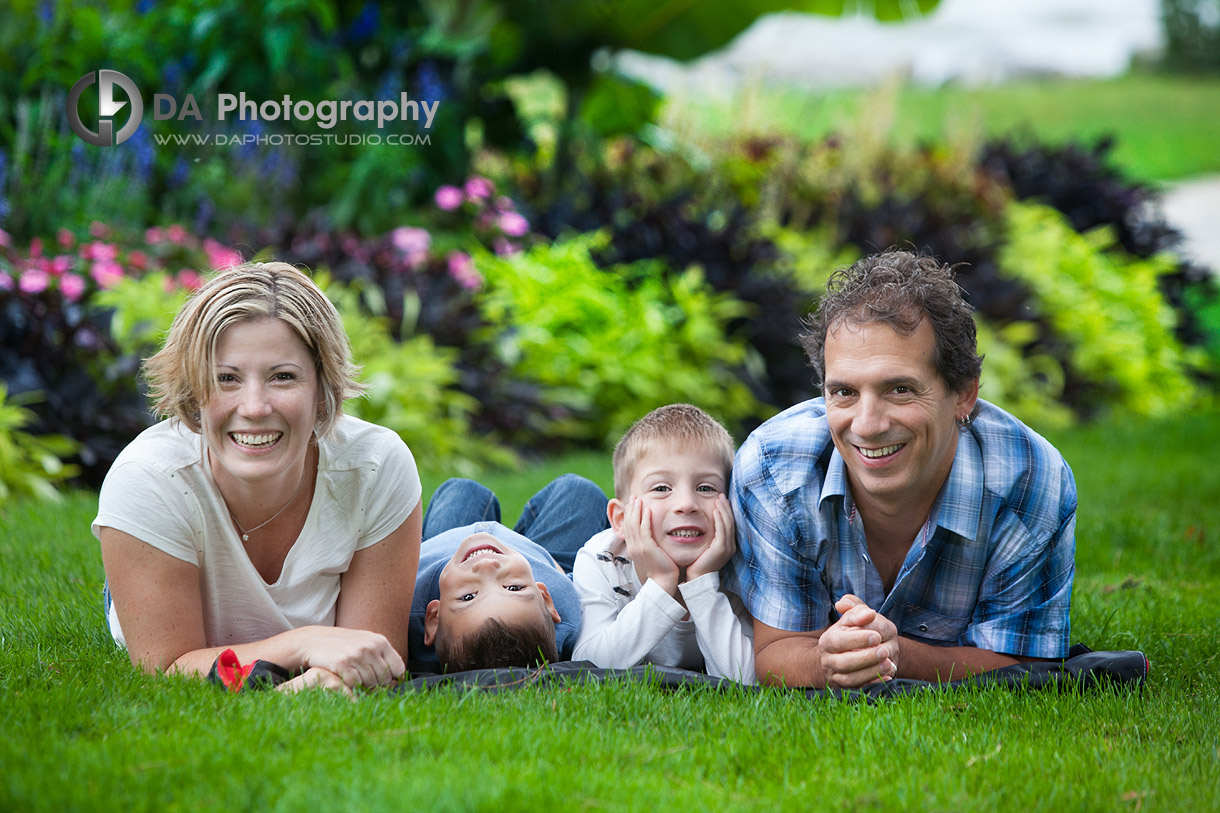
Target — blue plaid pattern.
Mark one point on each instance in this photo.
(992, 567)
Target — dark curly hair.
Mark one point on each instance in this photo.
(900, 289)
(495, 644)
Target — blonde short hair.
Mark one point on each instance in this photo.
(182, 376)
(674, 424)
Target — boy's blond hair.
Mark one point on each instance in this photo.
(678, 424)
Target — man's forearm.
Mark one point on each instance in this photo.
(919, 661)
(790, 662)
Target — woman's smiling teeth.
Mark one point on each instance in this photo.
(882, 452)
(265, 439)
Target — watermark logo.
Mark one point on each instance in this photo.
(108, 82)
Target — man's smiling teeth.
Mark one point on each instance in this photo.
(882, 452)
(479, 552)
(257, 440)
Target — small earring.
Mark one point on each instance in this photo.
(964, 421)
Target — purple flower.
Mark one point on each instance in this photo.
(72, 286)
(6, 282)
(462, 269)
(504, 247)
(513, 224)
(410, 240)
(448, 198)
(34, 281)
(479, 188)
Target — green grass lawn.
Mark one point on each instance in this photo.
(84, 731)
(1166, 127)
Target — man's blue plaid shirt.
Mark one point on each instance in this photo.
(992, 567)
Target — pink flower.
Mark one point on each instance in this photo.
(505, 248)
(65, 238)
(36, 247)
(5, 240)
(219, 255)
(410, 240)
(60, 265)
(153, 235)
(6, 282)
(190, 279)
(72, 286)
(33, 281)
(97, 250)
(504, 204)
(513, 224)
(176, 234)
(462, 269)
(106, 273)
(138, 259)
(448, 198)
(479, 188)
(99, 229)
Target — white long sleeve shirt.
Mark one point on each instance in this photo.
(627, 623)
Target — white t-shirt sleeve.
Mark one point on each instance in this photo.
(154, 506)
(395, 492)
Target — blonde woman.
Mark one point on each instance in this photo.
(257, 516)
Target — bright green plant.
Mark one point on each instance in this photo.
(612, 344)
(29, 466)
(1027, 385)
(1106, 304)
(412, 388)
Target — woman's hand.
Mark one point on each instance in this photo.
(357, 657)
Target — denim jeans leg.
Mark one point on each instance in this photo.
(563, 516)
(459, 502)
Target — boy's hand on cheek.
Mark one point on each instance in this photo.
(650, 561)
(724, 542)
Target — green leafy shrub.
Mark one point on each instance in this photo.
(613, 344)
(1106, 305)
(29, 466)
(1027, 383)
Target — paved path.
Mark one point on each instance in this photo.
(1194, 208)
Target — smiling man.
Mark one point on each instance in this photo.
(899, 526)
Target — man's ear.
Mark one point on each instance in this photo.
(967, 398)
(550, 604)
(616, 512)
(432, 620)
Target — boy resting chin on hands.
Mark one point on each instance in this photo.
(649, 586)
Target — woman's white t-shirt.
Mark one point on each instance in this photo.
(160, 490)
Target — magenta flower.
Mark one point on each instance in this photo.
(33, 281)
(65, 238)
(479, 188)
(6, 282)
(513, 224)
(138, 259)
(72, 286)
(462, 269)
(504, 247)
(410, 240)
(448, 198)
(5, 240)
(106, 273)
(97, 250)
(190, 279)
(176, 234)
(99, 229)
(153, 235)
(60, 265)
(220, 256)
(36, 247)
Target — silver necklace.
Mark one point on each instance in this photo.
(245, 534)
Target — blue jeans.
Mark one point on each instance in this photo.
(561, 517)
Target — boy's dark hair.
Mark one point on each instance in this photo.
(496, 644)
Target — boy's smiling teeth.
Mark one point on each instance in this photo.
(882, 452)
(686, 533)
(265, 439)
(479, 551)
